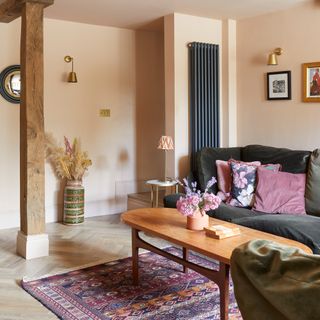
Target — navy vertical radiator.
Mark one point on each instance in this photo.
(204, 97)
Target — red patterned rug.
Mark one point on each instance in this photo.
(106, 291)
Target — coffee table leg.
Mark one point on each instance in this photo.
(224, 291)
(185, 253)
(157, 196)
(135, 258)
(151, 196)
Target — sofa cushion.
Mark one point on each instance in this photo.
(291, 160)
(312, 194)
(304, 229)
(243, 184)
(206, 164)
(280, 192)
(228, 213)
(224, 175)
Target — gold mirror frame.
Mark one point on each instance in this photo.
(10, 84)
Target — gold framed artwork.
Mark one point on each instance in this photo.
(311, 82)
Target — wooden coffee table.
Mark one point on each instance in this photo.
(170, 225)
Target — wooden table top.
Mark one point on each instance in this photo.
(170, 225)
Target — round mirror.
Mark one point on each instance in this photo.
(10, 83)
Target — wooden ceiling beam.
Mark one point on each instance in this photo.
(12, 9)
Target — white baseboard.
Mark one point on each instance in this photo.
(54, 212)
(32, 246)
(9, 219)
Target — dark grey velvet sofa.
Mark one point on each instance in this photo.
(305, 229)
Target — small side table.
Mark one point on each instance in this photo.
(155, 185)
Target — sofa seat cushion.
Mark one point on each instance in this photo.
(224, 212)
(293, 161)
(304, 229)
(228, 213)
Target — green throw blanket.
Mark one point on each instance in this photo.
(276, 282)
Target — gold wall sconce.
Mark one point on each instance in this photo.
(72, 77)
(273, 60)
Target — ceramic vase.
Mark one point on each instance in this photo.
(73, 212)
(198, 220)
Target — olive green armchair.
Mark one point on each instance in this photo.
(276, 282)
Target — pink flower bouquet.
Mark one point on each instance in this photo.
(195, 201)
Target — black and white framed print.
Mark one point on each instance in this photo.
(279, 85)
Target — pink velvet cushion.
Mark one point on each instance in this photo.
(224, 175)
(280, 192)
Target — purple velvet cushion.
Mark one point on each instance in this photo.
(280, 192)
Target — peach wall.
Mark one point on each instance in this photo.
(181, 29)
(9, 133)
(110, 69)
(229, 83)
(169, 72)
(149, 104)
(105, 64)
(288, 123)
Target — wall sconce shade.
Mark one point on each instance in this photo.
(72, 77)
(165, 143)
(272, 59)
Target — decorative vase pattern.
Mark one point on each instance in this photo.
(198, 220)
(73, 203)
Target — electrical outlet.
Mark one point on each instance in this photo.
(105, 113)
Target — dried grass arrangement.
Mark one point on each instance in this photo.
(69, 162)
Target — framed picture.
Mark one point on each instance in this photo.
(279, 85)
(311, 82)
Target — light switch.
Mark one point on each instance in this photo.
(105, 113)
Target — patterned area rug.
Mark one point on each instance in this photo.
(106, 291)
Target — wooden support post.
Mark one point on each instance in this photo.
(32, 157)
(12, 9)
(32, 121)
(32, 242)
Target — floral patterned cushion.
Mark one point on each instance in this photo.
(224, 176)
(243, 184)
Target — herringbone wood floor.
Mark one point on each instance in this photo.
(96, 240)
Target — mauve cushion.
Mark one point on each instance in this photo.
(280, 192)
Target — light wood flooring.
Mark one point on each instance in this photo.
(97, 240)
(142, 200)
